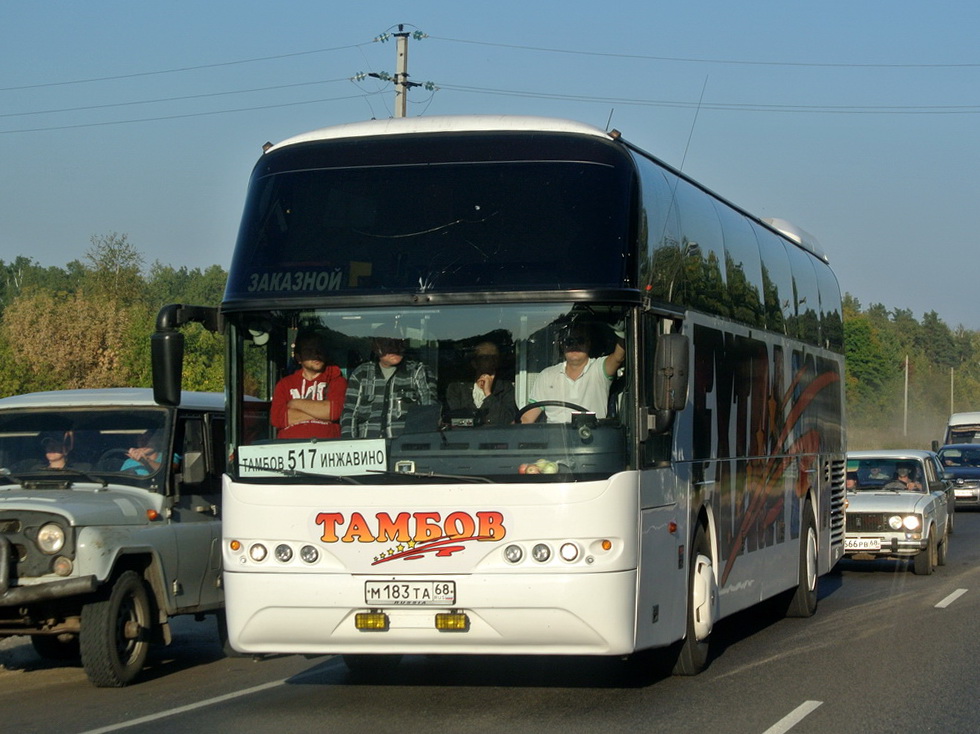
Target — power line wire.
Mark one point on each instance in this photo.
(694, 60)
(181, 69)
(172, 99)
(734, 106)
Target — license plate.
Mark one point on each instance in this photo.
(389, 593)
(862, 544)
(965, 492)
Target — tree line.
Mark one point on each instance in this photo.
(87, 324)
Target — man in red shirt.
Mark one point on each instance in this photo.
(308, 403)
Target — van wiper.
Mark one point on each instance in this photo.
(432, 475)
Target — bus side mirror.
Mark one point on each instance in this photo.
(167, 358)
(670, 383)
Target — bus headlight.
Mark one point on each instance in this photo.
(284, 554)
(258, 552)
(541, 553)
(568, 551)
(51, 538)
(309, 554)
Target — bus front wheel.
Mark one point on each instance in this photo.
(692, 657)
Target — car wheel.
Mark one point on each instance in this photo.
(925, 559)
(115, 633)
(692, 656)
(942, 551)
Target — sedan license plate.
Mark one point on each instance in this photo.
(965, 493)
(862, 544)
(389, 593)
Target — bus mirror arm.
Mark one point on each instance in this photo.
(670, 384)
(167, 347)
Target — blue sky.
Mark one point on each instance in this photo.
(859, 121)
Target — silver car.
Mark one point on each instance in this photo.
(899, 505)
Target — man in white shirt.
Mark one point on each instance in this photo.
(579, 380)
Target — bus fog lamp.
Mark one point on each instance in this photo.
(371, 621)
(309, 554)
(541, 553)
(452, 622)
(284, 554)
(513, 553)
(258, 552)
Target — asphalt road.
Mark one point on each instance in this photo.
(886, 651)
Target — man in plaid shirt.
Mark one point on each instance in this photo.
(381, 393)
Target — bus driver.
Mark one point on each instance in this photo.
(580, 379)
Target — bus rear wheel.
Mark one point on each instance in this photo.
(803, 599)
(692, 657)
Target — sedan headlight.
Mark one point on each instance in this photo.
(912, 522)
(51, 538)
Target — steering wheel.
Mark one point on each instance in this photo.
(108, 456)
(555, 403)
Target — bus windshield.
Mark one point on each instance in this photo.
(417, 218)
(441, 392)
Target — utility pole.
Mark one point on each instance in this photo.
(400, 78)
(402, 84)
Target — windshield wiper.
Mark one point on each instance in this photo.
(57, 476)
(312, 475)
(431, 475)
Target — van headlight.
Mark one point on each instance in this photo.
(51, 538)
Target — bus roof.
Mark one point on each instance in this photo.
(520, 123)
(444, 124)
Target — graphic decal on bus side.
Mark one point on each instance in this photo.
(410, 536)
(743, 407)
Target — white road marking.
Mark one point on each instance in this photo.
(201, 704)
(793, 718)
(950, 599)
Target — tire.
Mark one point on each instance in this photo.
(692, 657)
(115, 633)
(925, 559)
(942, 551)
(803, 601)
(56, 647)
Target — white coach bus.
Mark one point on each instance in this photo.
(711, 478)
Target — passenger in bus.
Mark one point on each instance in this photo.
(308, 403)
(580, 380)
(486, 400)
(387, 391)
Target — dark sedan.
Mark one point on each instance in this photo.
(961, 463)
